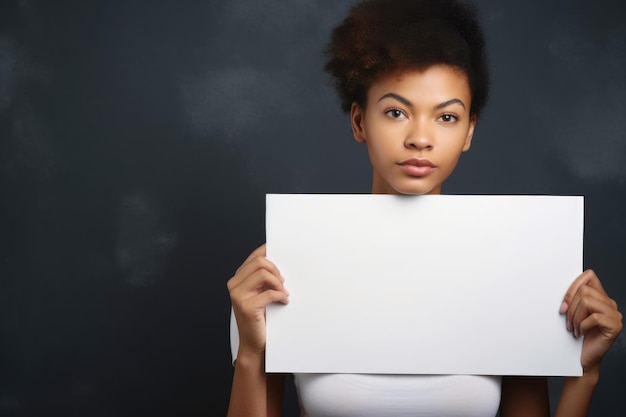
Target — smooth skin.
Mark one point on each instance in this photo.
(421, 115)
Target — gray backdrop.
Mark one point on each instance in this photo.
(138, 139)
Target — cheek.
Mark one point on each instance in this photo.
(384, 134)
(381, 147)
(456, 140)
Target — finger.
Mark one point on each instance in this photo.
(271, 296)
(256, 282)
(583, 293)
(259, 251)
(254, 307)
(588, 278)
(236, 278)
(587, 291)
(252, 266)
(252, 303)
(609, 325)
(590, 306)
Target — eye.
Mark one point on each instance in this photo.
(448, 118)
(395, 114)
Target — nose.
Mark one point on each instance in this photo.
(418, 137)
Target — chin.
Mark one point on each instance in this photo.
(417, 193)
(415, 190)
(406, 186)
(418, 187)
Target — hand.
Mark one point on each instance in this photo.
(592, 314)
(256, 283)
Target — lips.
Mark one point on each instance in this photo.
(417, 167)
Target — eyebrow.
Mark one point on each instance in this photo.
(397, 97)
(449, 103)
(407, 102)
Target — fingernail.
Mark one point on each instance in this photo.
(569, 326)
(563, 307)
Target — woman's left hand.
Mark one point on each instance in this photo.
(593, 314)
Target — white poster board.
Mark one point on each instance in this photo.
(423, 284)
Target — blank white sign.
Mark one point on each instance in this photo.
(436, 284)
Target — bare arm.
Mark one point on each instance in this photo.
(255, 393)
(256, 283)
(576, 395)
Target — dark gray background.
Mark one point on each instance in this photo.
(138, 139)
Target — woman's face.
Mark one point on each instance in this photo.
(415, 126)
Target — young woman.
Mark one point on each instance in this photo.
(413, 77)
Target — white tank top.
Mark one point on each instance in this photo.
(361, 395)
(365, 395)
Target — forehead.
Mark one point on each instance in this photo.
(435, 82)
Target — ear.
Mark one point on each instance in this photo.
(357, 115)
(470, 134)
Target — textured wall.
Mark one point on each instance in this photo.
(137, 142)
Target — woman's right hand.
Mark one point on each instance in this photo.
(256, 283)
